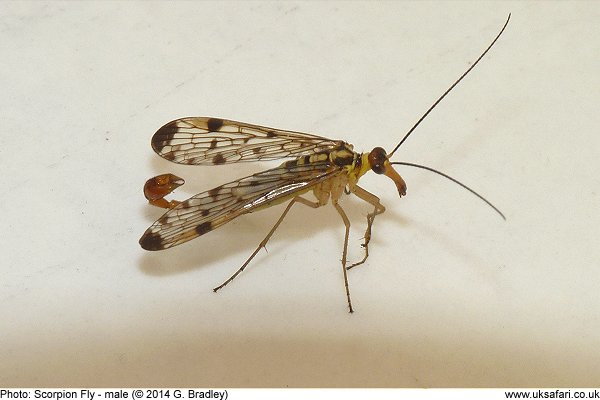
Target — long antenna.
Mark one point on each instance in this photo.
(449, 89)
(453, 180)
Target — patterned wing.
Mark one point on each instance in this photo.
(214, 141)
(208, 210)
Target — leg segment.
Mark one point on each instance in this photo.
(266, 239)
(378, 209)
(347, 224)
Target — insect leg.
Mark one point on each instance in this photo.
(266, 239)
(347, 223)
(378, 209)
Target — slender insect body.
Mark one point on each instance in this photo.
(342, 157)
(324, 167)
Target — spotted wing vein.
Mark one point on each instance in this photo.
(213, 141)
(208, 210)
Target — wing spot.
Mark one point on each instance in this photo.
(203, 228)
(205, 212)
(151, 241)
(214, 192)
(290, 164)
(218, 159)
(163, 136)
(213, 144)
(214, 124)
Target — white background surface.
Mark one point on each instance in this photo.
(451, 295)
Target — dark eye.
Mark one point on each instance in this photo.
(377, 158)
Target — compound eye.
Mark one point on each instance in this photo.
(377, 159)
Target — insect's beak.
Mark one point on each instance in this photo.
(391, 173)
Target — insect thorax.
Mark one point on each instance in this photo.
(342, 156)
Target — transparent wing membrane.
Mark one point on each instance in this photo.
(209, 210)
(214, 141)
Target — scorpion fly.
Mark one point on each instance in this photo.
(327, 168)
